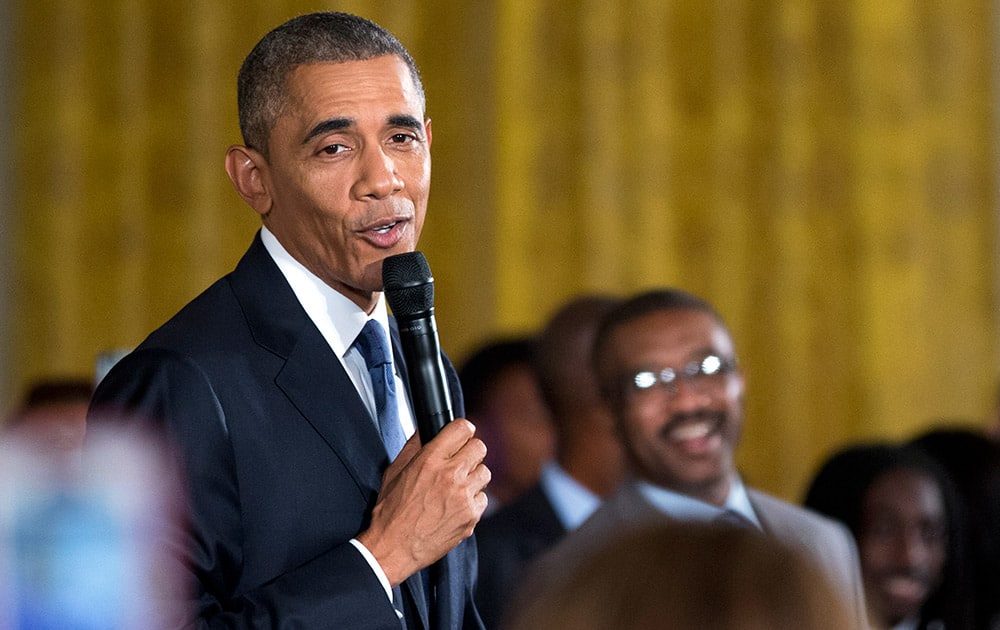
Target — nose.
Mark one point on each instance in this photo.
(685, 397)
(911, 549)
(377, 176)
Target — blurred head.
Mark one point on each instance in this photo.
(53, 415)
(972, 462)
(687, 576)
(902, 512)
(902, 543)
(587, 445)
(504, 401)
(667, 366)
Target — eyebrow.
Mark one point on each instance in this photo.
(405, 120)
(337, 124)
(332, 124)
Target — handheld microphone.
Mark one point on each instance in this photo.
(409, 289)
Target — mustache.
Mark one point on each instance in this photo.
(677, 419)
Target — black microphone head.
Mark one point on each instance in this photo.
(408, 284)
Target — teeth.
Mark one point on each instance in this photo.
(691, 431)
(386, 228)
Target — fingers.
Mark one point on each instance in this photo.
(452, 437)
(455, 443)
(479, 479)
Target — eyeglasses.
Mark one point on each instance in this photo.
(702, 376)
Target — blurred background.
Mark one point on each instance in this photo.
(823, 172)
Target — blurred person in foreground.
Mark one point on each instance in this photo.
(282, 386)
(85, 546)
(688, 576)
(504, 400)
(904, 514)
(668, 368)
(588, 466)
(972, 462)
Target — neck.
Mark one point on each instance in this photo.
(713, 491)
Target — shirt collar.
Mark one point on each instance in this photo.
(683, 507)
(572, 502)
(338, 318)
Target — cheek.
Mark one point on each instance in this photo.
(874, 555)
(642, 427)
(938, 557)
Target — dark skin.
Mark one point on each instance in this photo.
(685, 442)
(902, 544)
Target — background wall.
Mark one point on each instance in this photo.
(823, 172)
(6, 204)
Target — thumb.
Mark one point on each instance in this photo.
(406, 454)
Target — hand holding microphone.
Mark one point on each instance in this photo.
(431, 497)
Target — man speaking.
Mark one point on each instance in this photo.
(282, 386)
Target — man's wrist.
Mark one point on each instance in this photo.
(376, 567)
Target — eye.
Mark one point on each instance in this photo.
(644, 380)
(933, 533)
(402, 138)
(333, 149)
(711, 365)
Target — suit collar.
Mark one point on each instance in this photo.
(312, 377)
(683, 507)
(274, 316)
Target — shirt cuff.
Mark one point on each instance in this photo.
(379, 573)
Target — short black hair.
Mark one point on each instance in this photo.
(313, 38)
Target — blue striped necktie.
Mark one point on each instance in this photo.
(373, 345)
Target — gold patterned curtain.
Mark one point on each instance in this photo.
(825, 173)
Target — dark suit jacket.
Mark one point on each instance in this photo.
(508, 541)
(282, 461)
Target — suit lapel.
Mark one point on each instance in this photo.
(316, 383)
(312, 377)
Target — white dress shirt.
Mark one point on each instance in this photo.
(340, 321)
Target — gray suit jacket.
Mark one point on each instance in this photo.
(828, 543)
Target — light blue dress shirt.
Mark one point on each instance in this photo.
(685, 508)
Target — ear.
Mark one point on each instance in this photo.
(427, 131)
(246, 167)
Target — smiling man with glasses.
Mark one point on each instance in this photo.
(668, 370)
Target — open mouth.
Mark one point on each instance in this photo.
(907, 588)
(385, 233)
(692, 431)
(697, 435)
